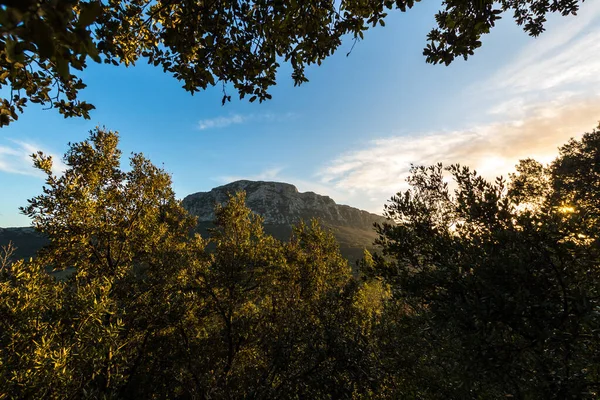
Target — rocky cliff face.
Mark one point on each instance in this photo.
(281, 204)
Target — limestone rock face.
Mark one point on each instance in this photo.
(281, 204)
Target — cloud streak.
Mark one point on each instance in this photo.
(238, 119)
(269, 174)
(221, 122)
(564, 56)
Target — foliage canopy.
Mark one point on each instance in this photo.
(44, 42)
(500, 280)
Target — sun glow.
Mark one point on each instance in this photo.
(566, 209)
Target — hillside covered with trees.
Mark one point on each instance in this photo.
(480, 290)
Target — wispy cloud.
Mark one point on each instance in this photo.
(269, 174)
(564, 56)
(380, 169)
(221, 122)
(237, 119)
(367, 177)
(16, 159)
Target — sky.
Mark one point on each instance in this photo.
(353, 131)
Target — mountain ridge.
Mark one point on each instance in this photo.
(280, 203)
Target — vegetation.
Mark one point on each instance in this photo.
(480, 290)
(150, 312)
(242, 43)
(485, 290)
(496, 284)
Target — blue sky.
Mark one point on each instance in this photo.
(354, 129)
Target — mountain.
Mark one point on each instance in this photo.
(280, 204)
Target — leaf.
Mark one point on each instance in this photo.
(62, 67)
(10, 49)
(43, 38)
(89, 13)
(92, 50)
(14, 52)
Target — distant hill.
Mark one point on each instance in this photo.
(280, 204)
(26, 240)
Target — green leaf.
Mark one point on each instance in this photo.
(89, 13)
(42, 35)
(62, 67)
(14, 51)
(92, 50)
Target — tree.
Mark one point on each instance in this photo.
(272, 319)
(497, 282)
(241, 43)
(41, 42)
(127, 240)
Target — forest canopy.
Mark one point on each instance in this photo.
(479, 290)
(44, 44)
